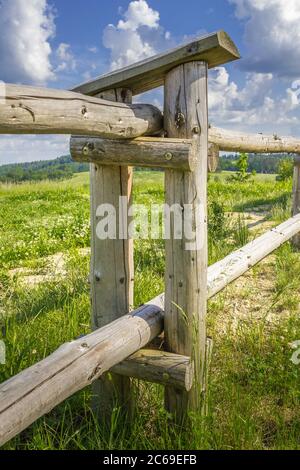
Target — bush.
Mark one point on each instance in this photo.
(242, 174)
(285, 170)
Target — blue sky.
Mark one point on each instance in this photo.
(60, 43)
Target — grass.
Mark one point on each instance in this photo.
(254, 389)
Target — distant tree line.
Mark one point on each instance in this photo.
(58, 169)
(259, 163)
(64, 167)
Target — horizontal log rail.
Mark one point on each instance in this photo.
(149, 152)
(30, 110)
(234, 141)
(37, 390)
(158, 367)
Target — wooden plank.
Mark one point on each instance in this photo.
(158, 367)
(142, 152)
(186, 116)
(112, 272)
(296, 198)
(215, 49)
(37, 390)
(234, 141)
(30, 110)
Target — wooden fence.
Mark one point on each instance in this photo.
(114, 135)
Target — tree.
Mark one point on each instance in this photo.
(242, 174)
(285, 170)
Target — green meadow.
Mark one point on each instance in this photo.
(254, 387)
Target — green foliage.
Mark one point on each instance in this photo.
(242, 174)
(285, 170)
(261, 163)
(58, 169)
(254, 399)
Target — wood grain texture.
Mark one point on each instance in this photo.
(228, 140)
(215, 49)
(30, 110)
(112, 272)
(186, 116)
(158, 367)
(37, 390)
(142, 152)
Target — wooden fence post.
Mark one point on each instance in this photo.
(112, 271)
(186, 116)
(296, 198)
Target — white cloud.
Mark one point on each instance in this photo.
(66, 58)
(272, 35)
(135, 37)
(93, 49)
(254, 106)
(139, 14)
(32, 148)
(26, 27)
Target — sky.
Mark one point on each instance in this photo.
(61, 43)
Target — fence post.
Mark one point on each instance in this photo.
(112, 270)
(296, 197)
(186, 116)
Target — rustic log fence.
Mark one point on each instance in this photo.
(115, 135)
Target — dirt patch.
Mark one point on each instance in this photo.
(249, 299)
(254, 220)
(54, 268)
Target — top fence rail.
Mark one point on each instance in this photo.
(215, 49)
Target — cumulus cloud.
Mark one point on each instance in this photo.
(137, 36)
(66, 58)
(254, 106)
(272, 35)
(26, 28)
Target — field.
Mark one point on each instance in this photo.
(254, 388)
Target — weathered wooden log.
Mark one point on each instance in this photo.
(37, 390)
(30, 110)
(254, 143)
(112, 271)
(296, 198)
(215, 49)
(141, 152)
(186, 116)
(159, 367)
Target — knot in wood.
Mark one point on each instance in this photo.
(89, 147)
(179, 119)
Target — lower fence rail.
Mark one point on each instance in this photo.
(37, 390)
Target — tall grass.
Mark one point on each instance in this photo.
(254, 389)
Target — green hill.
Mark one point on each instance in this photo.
(58, 169)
